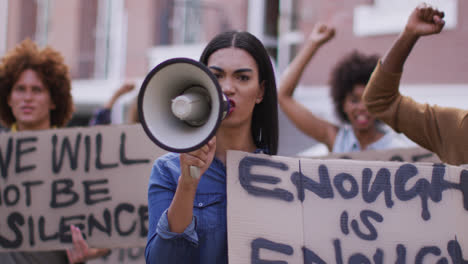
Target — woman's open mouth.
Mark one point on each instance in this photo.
(232, 105)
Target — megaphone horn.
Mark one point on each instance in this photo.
(181, 105)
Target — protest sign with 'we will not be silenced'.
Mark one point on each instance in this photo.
(95, 178)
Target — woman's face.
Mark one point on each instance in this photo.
(237, 73)
(357, 113)
(30, 102)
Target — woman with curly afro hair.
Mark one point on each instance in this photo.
(360, 130)
(35, 94)
(35, 88)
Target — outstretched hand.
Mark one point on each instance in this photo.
(425, 20)
(125, 88)
(81, 252)
(321, 33)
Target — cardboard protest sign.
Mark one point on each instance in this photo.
(122, 256)
(298, 210)
(414, 154)
(95, 178)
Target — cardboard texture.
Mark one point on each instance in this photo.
(95, 178)
(413, 154)
(122, 256)
(302, 210)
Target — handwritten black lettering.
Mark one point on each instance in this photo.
(426, 251)
(65, 146)
(90, 192)
(118, 210)
(32, 241)
(5, 161)
(94, 223)
(14, 220)
(99, 165)
(344, 223)
(310, 257)
(42, 232)
(359, 258)
(261, 243)
(339, 180)
(422, 188)
(464, 187)
(87, 143)
(143, 216)
(11, 195)
(323, 188)
(27, 187)
(123, 158)
(365, 215)
(455, 252)
(20, 152)
(64, 226)
(63, 188)
(246, 178)
(381, 184)
(401, 254)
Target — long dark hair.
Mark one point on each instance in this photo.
(265, 114)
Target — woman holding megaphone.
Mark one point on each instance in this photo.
(187, 215)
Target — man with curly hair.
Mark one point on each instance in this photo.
(35, 94)
(360, 130)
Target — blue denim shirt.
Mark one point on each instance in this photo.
(204, 241)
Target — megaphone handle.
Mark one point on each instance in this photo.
(195, 172)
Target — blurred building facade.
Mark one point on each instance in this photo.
(106, 42)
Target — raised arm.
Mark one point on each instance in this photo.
(103, 115)
(424, 20)
(304, 120)
(439, 129)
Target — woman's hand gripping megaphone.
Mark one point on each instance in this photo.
(195, 163)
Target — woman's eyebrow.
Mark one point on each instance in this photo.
(243, 70)
(216, 68)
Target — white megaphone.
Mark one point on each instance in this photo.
(181, 105)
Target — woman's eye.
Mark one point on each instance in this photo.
(36, 89)
(19, 88)
(244, 78)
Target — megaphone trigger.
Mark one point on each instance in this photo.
(195, 172)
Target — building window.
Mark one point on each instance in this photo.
(3, 26)
(103, 30)
(87, 39)
(263, 17)
(289, 33)
(28, 20)
(389, 17)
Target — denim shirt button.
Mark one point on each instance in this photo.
(200, 204)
